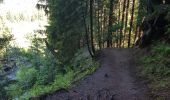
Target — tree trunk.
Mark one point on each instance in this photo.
(86, 31)
(126, 21)
(98, 26)
(131, 23)
(109, 36)
(118, 31)
(104, 27)
(91, 25)
(122, 22)
(101, 25)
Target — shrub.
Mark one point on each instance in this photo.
(14, 90)
(3, 83)
(157, 64)
(26, 77)
(163, 49)
(46, 75)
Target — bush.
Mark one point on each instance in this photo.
(48, 70)
(3, 83)
(162, 49)
(40, 74)
(50, 80)
(14, 90)
(26, 77)
(46, 75)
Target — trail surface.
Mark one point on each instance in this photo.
(114, 80)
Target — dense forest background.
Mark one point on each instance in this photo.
(77, 30)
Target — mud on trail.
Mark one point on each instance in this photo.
(114, 80)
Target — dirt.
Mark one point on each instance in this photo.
(116, 79)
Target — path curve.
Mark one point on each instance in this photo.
(114, 80)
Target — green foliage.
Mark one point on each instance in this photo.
(61, 81)
(116, 27)
(66, 28)
(82, 66)
(43, 76)
(35, 66)
(142, 12)
(35, 79)
(3, 82)
(168, 31)
(157, 64)
(14, 90)
(5, 35)
(156, 67)
(162, 49)
(26, 77)
(38, 70)
(47, 72)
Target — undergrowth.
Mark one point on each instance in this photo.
(156, 68)
(32, 81)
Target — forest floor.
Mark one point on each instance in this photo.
(116, 79)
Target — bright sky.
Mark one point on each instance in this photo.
(20, 5)
(21, 29)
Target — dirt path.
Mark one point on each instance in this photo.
(114, 80)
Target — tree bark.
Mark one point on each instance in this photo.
(104, 27)
(122, 22)
(98, 26)
(86, 31)
(126, 21)
(91, 25)
(118, 31)
(109, 36)
(131, 23)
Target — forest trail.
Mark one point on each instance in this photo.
(114, 80)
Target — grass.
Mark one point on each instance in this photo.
(156, 68)
(61, 82)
